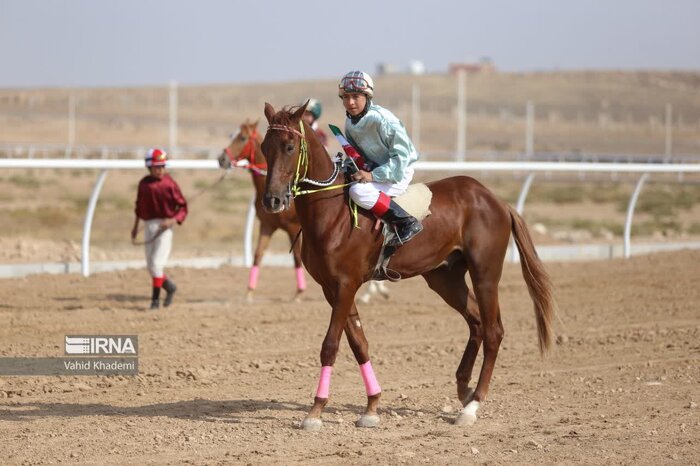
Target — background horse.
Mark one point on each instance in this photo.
(468, 230)
(244, 151)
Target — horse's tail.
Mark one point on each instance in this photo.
(539, 285)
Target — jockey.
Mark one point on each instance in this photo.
(382, 140)
(160, 204)
(311, 116)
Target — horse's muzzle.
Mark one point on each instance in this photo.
(224, 160)
(275, 204)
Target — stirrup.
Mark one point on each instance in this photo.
(398, 241)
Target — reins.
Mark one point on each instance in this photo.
(303, 163)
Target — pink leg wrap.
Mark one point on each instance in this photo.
(158, 282)
(253, 277)
(301, 281)
(371, 384)
(324, 383)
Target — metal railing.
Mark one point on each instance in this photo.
(529, 168)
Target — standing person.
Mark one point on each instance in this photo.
(382, 140)
(160, 204)
(311, 116)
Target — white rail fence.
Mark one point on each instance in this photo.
(529, 168)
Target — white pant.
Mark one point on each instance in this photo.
(158, 250)
(366, 194)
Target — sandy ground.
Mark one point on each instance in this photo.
(226, 382)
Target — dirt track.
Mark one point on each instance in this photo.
(226, 382)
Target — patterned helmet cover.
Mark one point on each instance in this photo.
(315, 108)
(156, 158)
(356, 81)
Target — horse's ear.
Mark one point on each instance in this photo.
(269, 112)
(300, 112)
(255, 123)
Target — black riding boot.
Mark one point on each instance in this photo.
(170, 289)
(155, 298)
(405, 225)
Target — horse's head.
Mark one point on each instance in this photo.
(282, 146)
(241, 150)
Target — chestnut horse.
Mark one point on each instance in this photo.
(244, 151)
(468, 230)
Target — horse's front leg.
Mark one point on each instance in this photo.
(263, 241)
(341, 298)
(360, 348)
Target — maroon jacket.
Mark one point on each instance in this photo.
(160, 198)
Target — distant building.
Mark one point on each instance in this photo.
(484, 65)
(416, 67)
(386, 68)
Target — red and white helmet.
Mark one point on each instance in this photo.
(356, 81)
(156, 158)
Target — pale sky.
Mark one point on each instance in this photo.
(150, 42)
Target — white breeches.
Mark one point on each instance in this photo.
(158, 250)
(366, 194)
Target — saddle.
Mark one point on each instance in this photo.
(415, 201)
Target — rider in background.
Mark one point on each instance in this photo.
(311, 116)
(382, 140)
(160, 204)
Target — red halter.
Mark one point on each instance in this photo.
(248, 153)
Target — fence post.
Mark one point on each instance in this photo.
(519, 207)
(172, 144)
(630, 214)
(461, 114)
(529, 130)
(415, 116)
(248, 239)
(87, 228)
(669, 131)
(72, 106)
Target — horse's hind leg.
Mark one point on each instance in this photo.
(450, 284)
(485, 280)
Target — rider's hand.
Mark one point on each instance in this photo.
(134, 232)
(362, 176)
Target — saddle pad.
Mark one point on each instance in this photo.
(416, 200)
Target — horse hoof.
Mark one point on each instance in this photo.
(249, 298)
(368, 420)
(465, 419)
(297, 297)
(312, 424)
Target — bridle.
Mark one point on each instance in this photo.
(293, 189)
(248, 153)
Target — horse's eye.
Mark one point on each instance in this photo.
(289, 148)
(244, 138)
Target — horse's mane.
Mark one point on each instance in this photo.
(283, 117)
